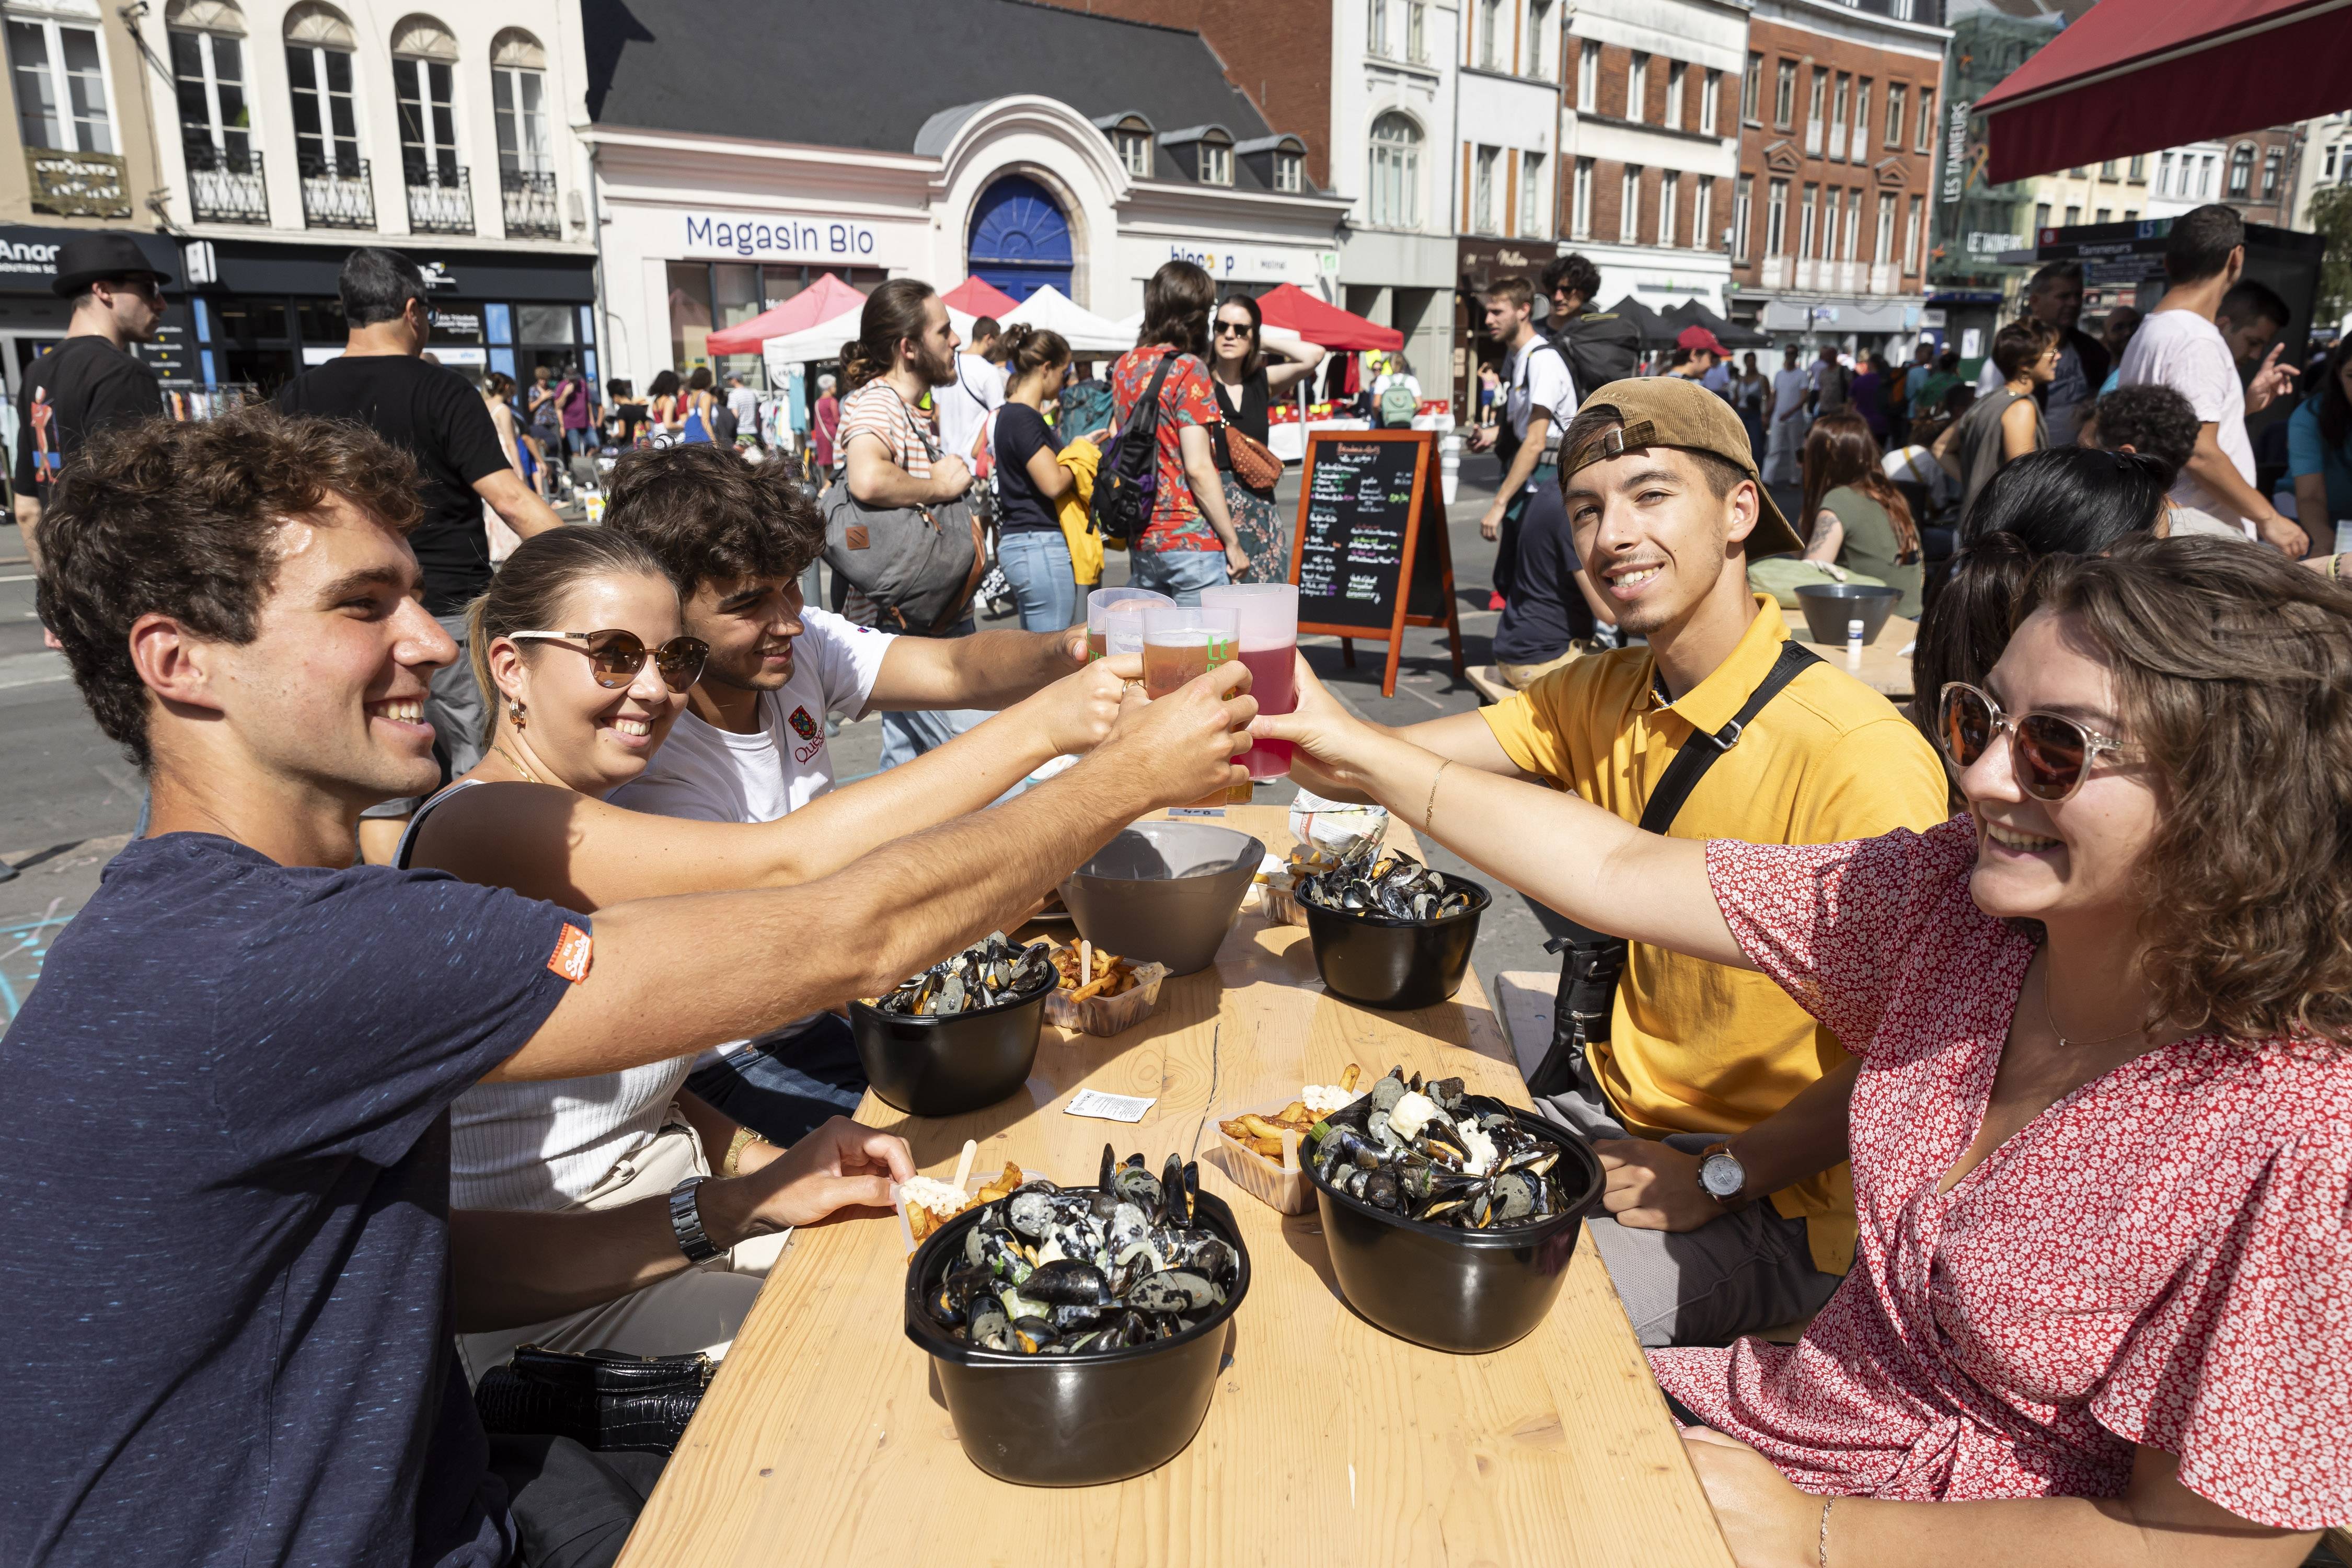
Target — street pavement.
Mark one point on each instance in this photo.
(68, 797)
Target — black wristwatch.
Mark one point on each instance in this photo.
(685, 1219)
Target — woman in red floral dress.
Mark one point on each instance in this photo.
(2101, 1310)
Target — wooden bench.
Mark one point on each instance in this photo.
(1492, 689)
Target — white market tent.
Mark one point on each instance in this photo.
(1269, 332)
(1052, 310)
(810, 344)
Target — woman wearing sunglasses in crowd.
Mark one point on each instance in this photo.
(2101, 1127)
(583, 667)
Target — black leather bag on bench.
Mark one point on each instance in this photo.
(1592, 964)
(601, 1399)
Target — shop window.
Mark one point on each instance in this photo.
(320, 321)
(497, 323)
(690, 314)
(1396, 172)
(61, 98)
(552, 323)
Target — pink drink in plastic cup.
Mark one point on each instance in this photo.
(1269, 612)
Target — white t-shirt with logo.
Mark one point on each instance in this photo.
(2183, 350)
(710, 775)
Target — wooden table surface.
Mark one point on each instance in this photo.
(824, 1438)
(1885, 667)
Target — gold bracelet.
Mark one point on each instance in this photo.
(744, 1138)
(1430, 804)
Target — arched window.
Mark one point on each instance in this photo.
(207, 42)
(2242, 170)
(319, 45)
(526, 159)
(1395, 179)
(423, 72)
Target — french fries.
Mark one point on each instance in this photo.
(1110, 976)
(922, 1221)
(1262, 1134)
(1003, 1184)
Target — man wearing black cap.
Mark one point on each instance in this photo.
(91, 379)
(1695, 1083)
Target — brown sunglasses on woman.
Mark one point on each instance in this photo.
(615, 657)
(2052, 753)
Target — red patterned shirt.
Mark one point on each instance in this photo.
(2163, 1256)
(1185, 398)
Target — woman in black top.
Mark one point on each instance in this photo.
(1248, 382)
(1030, 483)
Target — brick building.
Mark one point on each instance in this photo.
(1838, 128)
(2256, 172)
(1650, 145)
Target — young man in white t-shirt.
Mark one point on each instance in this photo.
(2179, 346)
(752, 745)
(1539, 399)
(978, 387)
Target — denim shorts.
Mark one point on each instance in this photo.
(1178, 573)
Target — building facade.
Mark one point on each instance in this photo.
(1838, 120)
(1650, 139)
(2255, 171)
(85, 160)
(1036, 146)
(1505, 162)
(1392, 112)
(288, 135)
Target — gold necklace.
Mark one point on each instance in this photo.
(530, 777)
(2052, 1019)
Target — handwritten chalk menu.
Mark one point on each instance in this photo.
(1370, 554)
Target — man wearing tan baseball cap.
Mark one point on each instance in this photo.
(1674, 1064)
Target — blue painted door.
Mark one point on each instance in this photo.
(1020, 239)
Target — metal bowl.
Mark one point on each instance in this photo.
(1164, 892)
(1829, 606)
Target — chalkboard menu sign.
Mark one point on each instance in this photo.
(1370, 554)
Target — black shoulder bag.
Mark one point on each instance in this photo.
(1127, 479)
(1592, 964)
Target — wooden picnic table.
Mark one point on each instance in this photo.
(1884, 666)
(825, 1439)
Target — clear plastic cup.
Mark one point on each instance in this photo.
(1180, 642)
(1269, 636)
(1106, 606)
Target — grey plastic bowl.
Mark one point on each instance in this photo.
(1164, 892)
(1829, 605)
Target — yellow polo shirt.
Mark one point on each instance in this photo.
(1694, 1046)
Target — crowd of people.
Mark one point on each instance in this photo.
(1996, 1046)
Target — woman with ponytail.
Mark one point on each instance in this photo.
(1030, 481)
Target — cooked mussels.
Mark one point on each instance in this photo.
(1050, 1271)
(981, 976)
(1426, 1151)
(1370, 879)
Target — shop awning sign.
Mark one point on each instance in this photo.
(780, 239)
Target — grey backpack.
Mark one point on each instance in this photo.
(918, 566)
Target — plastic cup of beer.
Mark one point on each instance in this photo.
(1269, 634)
(1180, 642)
(1104, 605)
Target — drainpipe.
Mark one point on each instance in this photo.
(604, 310)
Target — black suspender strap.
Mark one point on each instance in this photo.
(1592, 964)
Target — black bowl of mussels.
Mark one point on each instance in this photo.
(1450, 1217)
(961, 1035)
(1078, 1331)
(1390, 933)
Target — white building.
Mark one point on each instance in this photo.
(1506, 129)
(1393, 81)
(1020, 143)
(1654, 105)
(292, 133)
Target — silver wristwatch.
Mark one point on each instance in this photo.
(1721, 1175)
(685, 1219)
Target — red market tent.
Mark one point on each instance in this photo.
(979, 297)
(1326, 326)
(2133, 76)
(821, 301)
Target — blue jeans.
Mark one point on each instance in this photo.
(1037, 564)
(1178, 573)
(905, 736)
(783, 1089)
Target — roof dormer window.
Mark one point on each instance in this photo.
(1216, 159)
(1289, 173)
(1134, 152)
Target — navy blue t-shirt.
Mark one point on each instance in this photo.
(1543, 611)
(224, 1211)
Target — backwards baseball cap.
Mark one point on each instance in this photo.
(1697, 337)
(1668, 411)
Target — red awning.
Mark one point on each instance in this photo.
(821, 301)
(1326, 326)
(2136, 76)
(979, 297)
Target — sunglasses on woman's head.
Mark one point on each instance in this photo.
(2052, 753)
(615, 657)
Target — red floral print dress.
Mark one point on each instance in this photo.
(2163, 1256)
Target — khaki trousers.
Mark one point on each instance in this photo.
(697, 1310)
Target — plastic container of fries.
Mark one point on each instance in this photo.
(1256, 1173)
(1117, 993)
